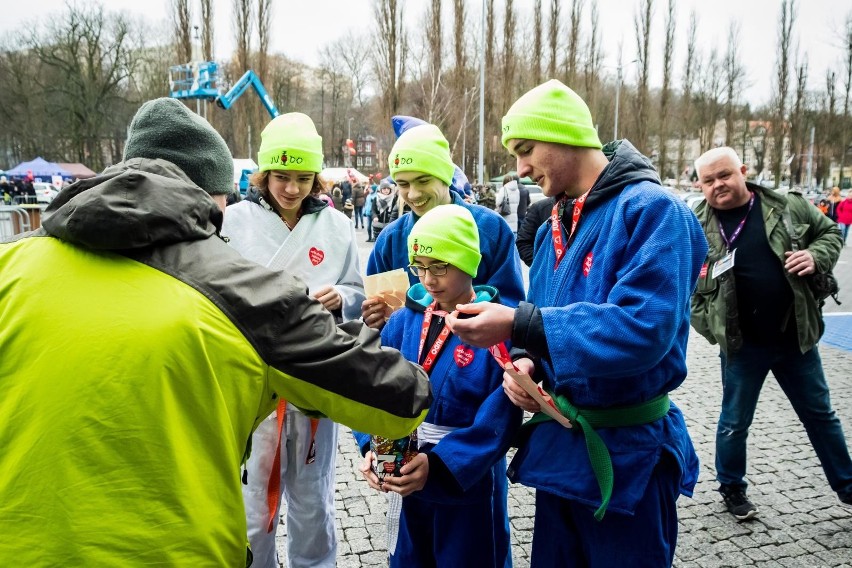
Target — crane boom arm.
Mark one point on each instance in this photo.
(250, 78)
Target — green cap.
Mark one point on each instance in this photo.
(447, 233)
(551, 112)
(422, 149)
(165, 129)
(290, 142)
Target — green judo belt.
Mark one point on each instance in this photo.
(587, 419)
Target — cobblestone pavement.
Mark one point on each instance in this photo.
(801, 522)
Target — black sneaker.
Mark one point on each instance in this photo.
(845, 497)
(737, 502)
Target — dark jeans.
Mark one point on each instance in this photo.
(359, 216)
(369, 227)
(801, 378)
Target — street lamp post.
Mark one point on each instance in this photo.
(482, 97)
(349, 128)
(618, 96)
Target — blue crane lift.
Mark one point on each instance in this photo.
(201, 81)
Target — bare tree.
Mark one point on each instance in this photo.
(286, 85)
(355, 55)
(264, 16)
(390, 56)
(182, 25)
(574, 42)
(489, 40)
(537, 43)
(847, 93)
(734, 74)
(829, 123)
(509, 54)
(242, 32)
(781, 87)
(242, 118)
(207, 29)
(430, 102)
(459, 33)
(642, 26)
(554, 38)
(491, 83)
(592, 61)
(88, 60)
(687, 85)
(22, 105)
(797, 123)
(708, 99)
(665, 94)
(337, 97)
(461, 84)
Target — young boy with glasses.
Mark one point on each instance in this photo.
(454, 511)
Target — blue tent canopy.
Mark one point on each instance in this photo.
(39, 168)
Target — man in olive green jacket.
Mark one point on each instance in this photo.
(753, 299)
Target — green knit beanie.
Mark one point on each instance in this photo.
(447, 233)
(164, 128)
(551, 112)
(422, 149)
(290, 142)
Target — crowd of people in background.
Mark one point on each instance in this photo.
(18, 191)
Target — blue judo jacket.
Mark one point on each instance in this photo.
(610, 326)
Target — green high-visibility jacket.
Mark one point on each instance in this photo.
(137, 353)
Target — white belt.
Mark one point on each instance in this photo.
(432, 433)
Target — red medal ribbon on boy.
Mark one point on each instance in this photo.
(555, 229)
(435, 350)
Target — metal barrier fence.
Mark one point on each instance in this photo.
(13, 220)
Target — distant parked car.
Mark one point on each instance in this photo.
(535, 193)
(45, 192)
(692, 199)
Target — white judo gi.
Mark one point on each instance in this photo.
(321, 250)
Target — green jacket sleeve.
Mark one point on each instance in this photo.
(818, 233)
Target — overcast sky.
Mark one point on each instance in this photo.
(300, 27)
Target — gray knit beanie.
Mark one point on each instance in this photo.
(164, 128)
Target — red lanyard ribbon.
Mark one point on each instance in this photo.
(435, 350)
(556, 230)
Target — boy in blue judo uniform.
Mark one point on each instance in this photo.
(454, 511)
(605, 329)
(422, 168)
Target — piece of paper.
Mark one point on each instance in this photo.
(535, 391)
(390, 287)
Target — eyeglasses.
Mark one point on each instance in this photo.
(438, 269)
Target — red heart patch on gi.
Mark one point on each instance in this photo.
(587, 264)
(463, 356)
(316, 255)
